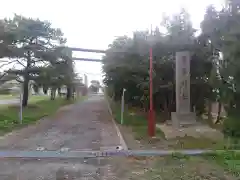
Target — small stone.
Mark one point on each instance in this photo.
(40, 148)
(119, 148)
(64, 149)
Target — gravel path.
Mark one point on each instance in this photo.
(83, 126)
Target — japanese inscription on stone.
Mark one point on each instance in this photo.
(183, 111)
(182, 82)
(184, 85)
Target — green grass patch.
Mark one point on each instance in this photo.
(141, 132)
(36, 109)
(137, 121)
(230, 160)
(189, 142)
(36, 98)
(7, 96)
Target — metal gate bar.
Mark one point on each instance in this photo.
(94, 154)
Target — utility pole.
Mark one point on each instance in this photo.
(151, 115)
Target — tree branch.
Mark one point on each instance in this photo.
(7, 63)
(4, 74)
(20, 63)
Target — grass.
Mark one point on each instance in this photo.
(36, 98)
(32, 98)
(137, 121)
(7, 96)
(37, 108)
(224, 165)
(230, 160)
(172, 167)
(189, 142)
(213, 165)
(141, 132)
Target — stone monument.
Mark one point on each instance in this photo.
(183, 115)
(183, 121)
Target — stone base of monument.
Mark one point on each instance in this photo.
(183, 119)
(196, 131)
(183, 125)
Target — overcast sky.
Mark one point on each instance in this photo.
(95, 23)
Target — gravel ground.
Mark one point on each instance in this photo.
(88, 126)
(83, 126)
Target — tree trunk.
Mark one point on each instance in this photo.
(36, 88)
(166, 110)
(25, 91)
(209, 112)
(219, 112)
(59, 92)
(26, 82)
(69, 93)
(53, 93)
(45, 91)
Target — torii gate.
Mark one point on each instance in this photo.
(71, 49)
(151, 114)
(80, 154)
(87, 50)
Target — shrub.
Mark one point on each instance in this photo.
(231, 127)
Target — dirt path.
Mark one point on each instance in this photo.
(88, 125)
(83, 126)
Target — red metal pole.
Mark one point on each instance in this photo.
(151, 118)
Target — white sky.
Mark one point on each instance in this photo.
(95, 23)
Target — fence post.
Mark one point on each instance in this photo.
(21, 108)
(122, 107)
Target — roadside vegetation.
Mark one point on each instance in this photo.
(34, 56)
(214, 67)
(39, 107)
(7, 96)
(214, 80)
(34, 61)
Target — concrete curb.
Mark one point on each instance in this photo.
(122, 141)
